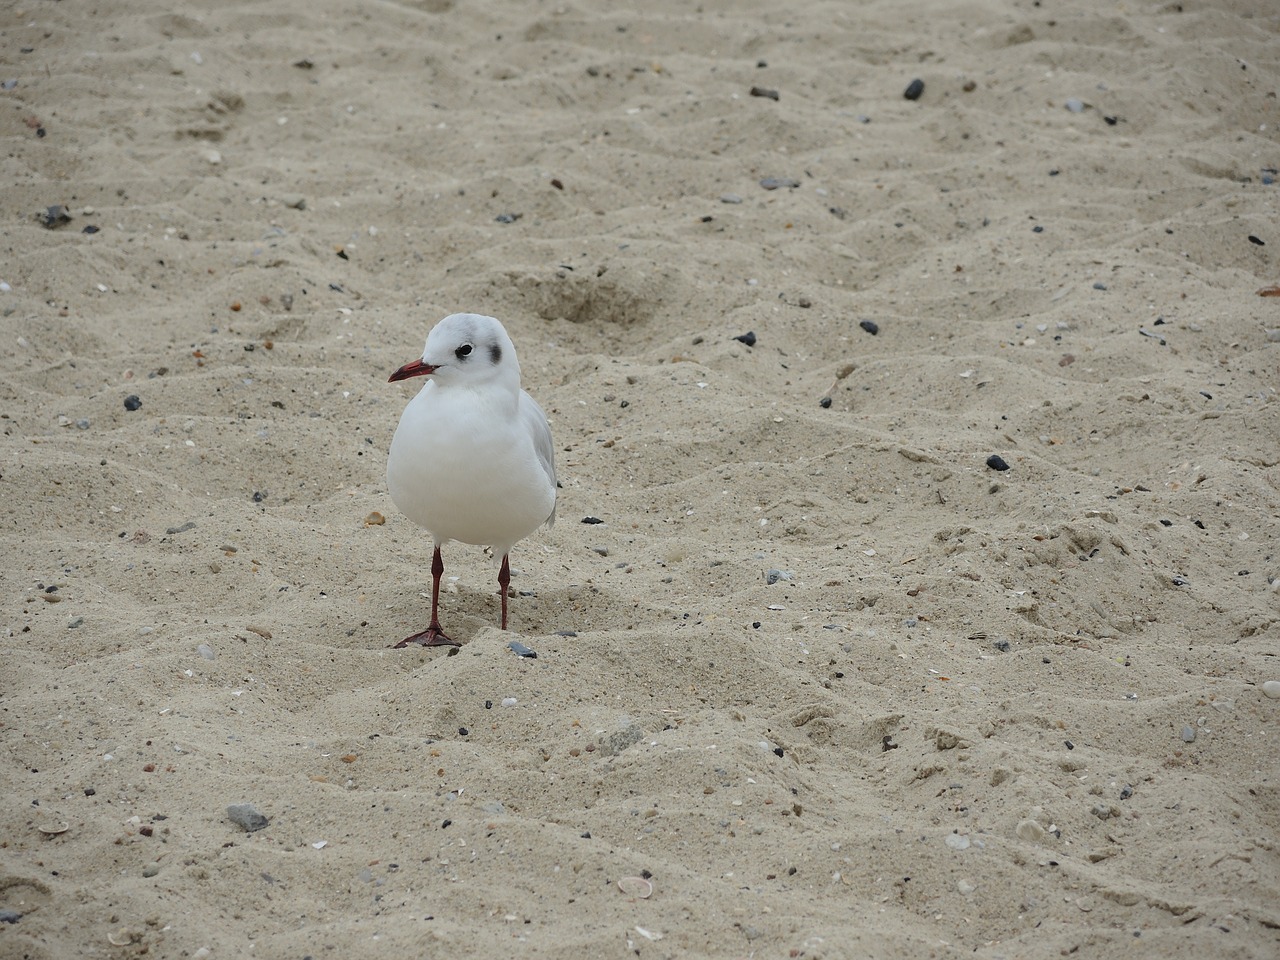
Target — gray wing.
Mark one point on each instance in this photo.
(540, 430)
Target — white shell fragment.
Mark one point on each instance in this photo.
(636, 887)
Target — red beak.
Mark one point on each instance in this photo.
(415, 368)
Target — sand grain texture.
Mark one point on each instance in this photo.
(835, 764)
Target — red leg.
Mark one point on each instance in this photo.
(504, 580)
(433, 636)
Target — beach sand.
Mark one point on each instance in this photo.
(1005, 713)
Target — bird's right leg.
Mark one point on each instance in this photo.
(433, 636)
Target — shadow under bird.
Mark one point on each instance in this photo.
(472, 458)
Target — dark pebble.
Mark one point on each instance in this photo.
(189, 525)
(258, 496)
(870, 326)
(520, 650)
(1070, 745)
(749, 338)
(996, 462)
(778, 751)
(592, 520)
(1001, 645)
(1037, 229)
(764, 92)
(446, 824)
(1099, 285)
(1260, 242)
(585, 836)
(488, 704)
(914, 89)
(824, 403)
(566, 633)
(508, 217)
(246, 815)
(1166, 523)
(1111, 121)
(131, 402)
(90, 791)
(90, 229)
(773, 183)
(463, 731)
(55, 216)
(10, 916)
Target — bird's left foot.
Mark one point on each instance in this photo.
(433, 636)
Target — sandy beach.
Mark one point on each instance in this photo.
(915, 581)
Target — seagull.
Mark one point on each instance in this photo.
(472, 458)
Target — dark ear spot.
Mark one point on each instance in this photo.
(495, 354)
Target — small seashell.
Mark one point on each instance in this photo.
(123, 937)
(636, 887)
(53, 829)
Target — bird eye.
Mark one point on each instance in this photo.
(463, 351)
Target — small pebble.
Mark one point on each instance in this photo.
(246, 815)
(764, 92)
(1001, 645)
(1188, 734)
(207, 652)
(1102, 811)
(824, 403)
(10, 916)
(957, 841)
(131, 402)
(1074, 105)
(748, 338)
(1030, 831)
(914, 89)
(870, 326)
(996, 462)
(773, 576)
(509, 701)
(1271, 689)
(151, 871)
(55, 216)
(730, 198)
(520, 650)
(773, 183)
